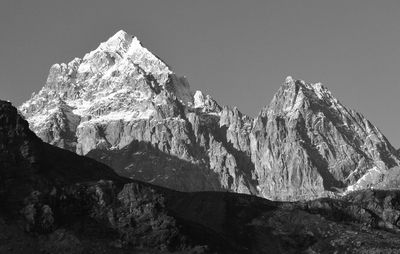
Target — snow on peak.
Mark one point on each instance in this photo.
(317, 89)
(120, 35)
(118, 42)
(119, 80)
(206, 103)
(294, 94)
(121, 42)
(289, 80)
(120, 75)
(125, 50)
(198, 99)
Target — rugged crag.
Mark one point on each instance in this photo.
(306, 143)
(123, 106)
(54, 201)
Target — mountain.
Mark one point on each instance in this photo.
(123, 106)
(305, 141)
(54, 201)
(120, 94)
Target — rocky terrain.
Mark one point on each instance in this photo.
(123, 106)
(54, 201)
(306, 142)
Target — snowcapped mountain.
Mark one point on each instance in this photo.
(120, 96)
(123, 106)
(120, 80)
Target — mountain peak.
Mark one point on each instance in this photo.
(118, 41)
(123, 49)
(314, 91)
(118, 81)
(121, 34)
(121, 41)
(289, 80)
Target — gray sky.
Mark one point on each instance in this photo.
(237, 51)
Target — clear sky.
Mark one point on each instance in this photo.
(237, 51)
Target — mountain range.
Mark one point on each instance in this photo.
(123, 106)
(116, 154)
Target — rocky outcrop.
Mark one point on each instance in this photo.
(305, 144)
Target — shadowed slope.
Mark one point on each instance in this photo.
(62, 204)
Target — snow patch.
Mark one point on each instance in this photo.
(198, 99)
(125, 116)
(318, 90)
(292, 111)
(81, 106)
(369, 178)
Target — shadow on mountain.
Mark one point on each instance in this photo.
(243, 159)
(140, 160)
(329, 181)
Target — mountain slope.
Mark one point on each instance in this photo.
(125, 107)
(26, 161)
(71, 204)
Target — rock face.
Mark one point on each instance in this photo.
(123, 106)
(306, 142)
(54, 201)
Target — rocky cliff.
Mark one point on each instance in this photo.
(123, 106)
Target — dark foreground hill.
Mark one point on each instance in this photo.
(54, 201)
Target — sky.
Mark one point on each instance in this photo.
(239, 52)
